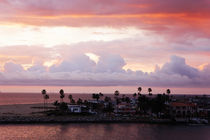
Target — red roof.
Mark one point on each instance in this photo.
(182, 104)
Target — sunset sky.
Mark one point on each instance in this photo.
(105, 43)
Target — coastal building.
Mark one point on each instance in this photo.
(124, 108)
(78, 108)
(183, 109)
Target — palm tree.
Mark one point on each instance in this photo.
(116, 93)
(73, 101)
(79, 101)
(70, 98)
(101, 94)
(150, 90)
(46, 97)
(139, 90)
(61, 95)
(134, 95)
(168, 91)
(95, 96)
(44, 92)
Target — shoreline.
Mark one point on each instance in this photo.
(61, 120)
(33, 114)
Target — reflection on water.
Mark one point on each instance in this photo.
(104, 132)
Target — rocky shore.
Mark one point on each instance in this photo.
(65, 119)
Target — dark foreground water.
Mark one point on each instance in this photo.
(104, 132)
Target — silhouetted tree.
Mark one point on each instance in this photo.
(63, 106)
(79, 101)
(107, 99)
(168, 91)
(143, 103)
(101, 94)
(139, 90)
(95, 96)
(70, 98)
(109, 107)
(123, 98)
(46, 97)
(134, 95)
(56, 104)
(150, 90)
(44, 92)
(116, 93)
(72, 101)
(127, 100)
(62, 95)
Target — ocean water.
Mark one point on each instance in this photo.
(32, 98)
(116, 131)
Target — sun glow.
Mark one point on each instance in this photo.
(93, 57)
(51, 36)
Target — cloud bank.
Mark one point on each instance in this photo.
(82, 71)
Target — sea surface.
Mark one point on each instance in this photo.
(33, 98)
(116, 131)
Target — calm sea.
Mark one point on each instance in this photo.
(31, 98)
(104, 132)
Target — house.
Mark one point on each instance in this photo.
(124, 108)
(183, 109)
(77, 108)
(80, 109)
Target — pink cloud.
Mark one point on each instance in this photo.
(163, 16)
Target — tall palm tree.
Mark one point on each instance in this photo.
(46, 97)
(101, 94)
(44, 92)
(134, 95)
(79, 101)
(150, 90)
(139, 90)
(96, 96)
(168, 91)
(70, 98)
(116, 93)
(62, 95)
